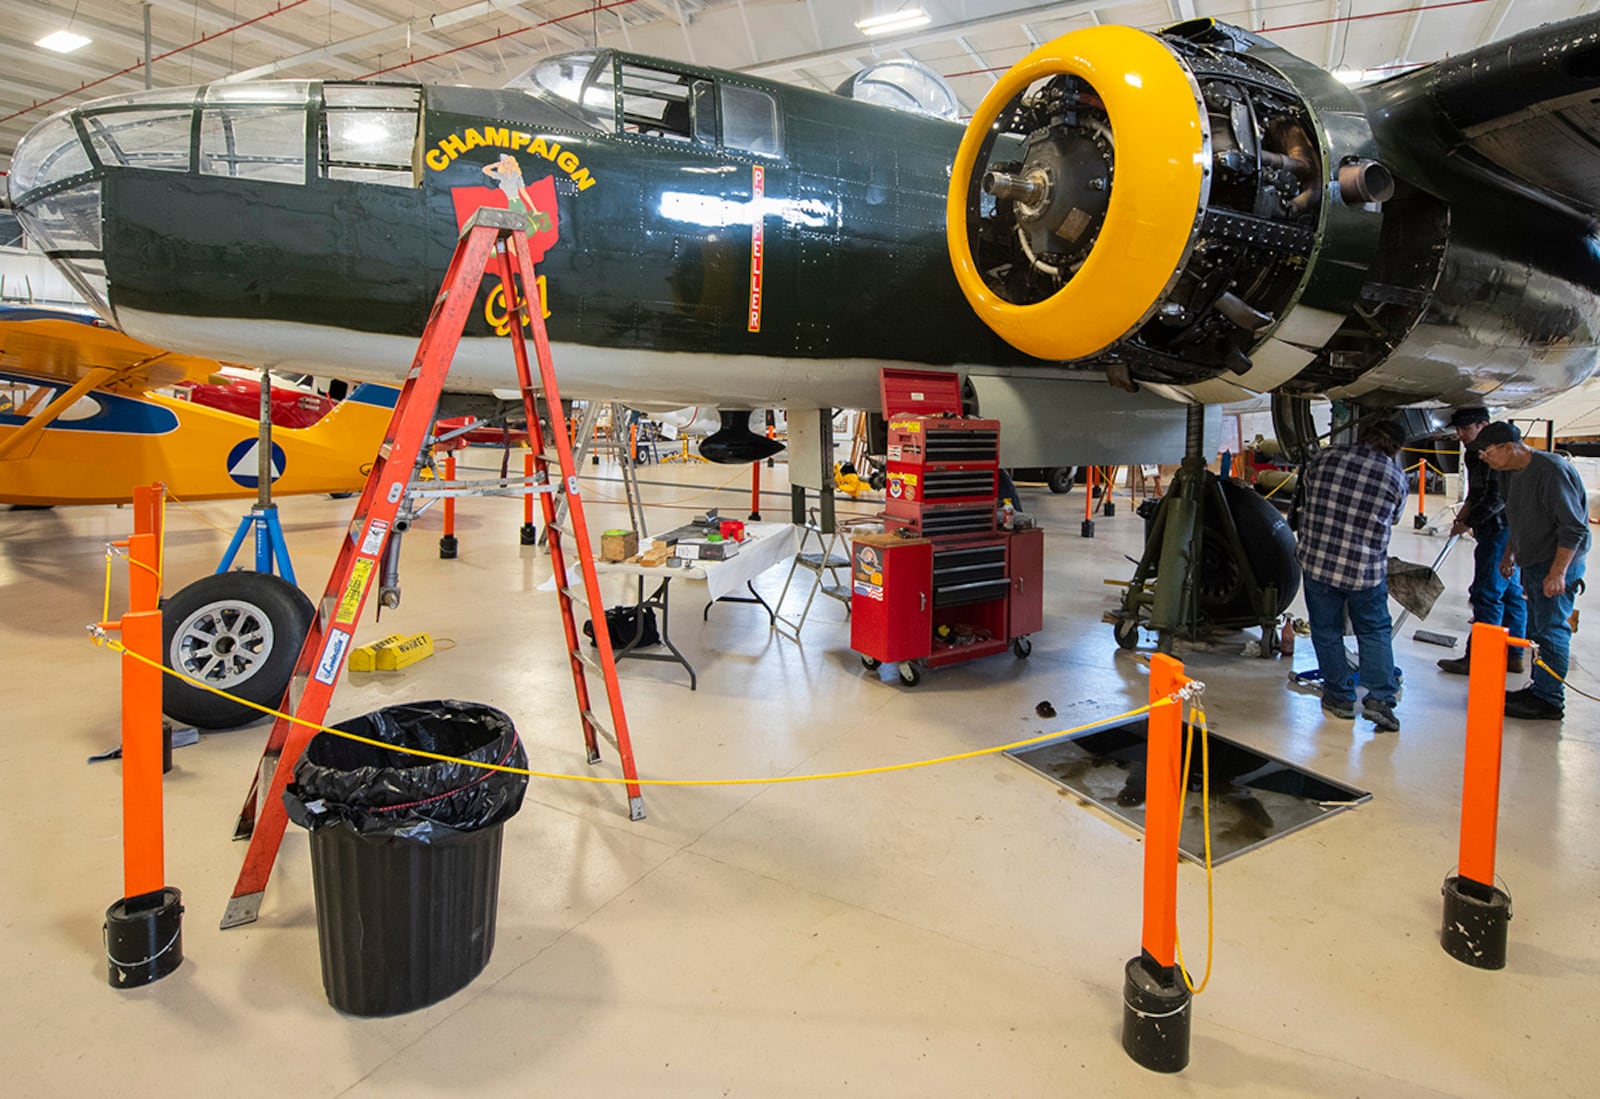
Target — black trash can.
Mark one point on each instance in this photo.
(405, 850)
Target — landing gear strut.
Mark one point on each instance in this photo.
(1217, 556)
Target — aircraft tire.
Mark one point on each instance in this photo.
(1059, 479)
(1270, 547)
(238, 631)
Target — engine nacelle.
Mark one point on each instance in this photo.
(1160, 203)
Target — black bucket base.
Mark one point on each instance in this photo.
(529, 535)
(144, 938)
(1155, 1016)
(1088, 528)
(1475, 919)
(448, 547)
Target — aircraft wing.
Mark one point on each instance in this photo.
(62, 347)
(1530, 110)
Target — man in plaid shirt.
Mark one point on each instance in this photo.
(1353, 497)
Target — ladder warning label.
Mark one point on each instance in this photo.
(374, 539)
(332, 653)
(350, 601)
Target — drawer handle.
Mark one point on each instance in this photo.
(922, 601)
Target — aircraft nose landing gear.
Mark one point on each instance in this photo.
(1217, 556)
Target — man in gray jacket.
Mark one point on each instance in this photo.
(1548, 513)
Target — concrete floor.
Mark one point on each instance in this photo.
(957, 930)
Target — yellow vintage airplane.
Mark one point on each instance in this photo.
(81, 422)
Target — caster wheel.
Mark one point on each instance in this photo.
(870, 664)
(909, 674)
(1127, 633)
(1021, 647)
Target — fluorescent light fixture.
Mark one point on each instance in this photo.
(1350, 76)
(902, 20)
(62, 42)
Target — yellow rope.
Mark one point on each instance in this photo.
(118, 647)
(1198, 711)
(1538, 663)
(105, 606)
(191, 511)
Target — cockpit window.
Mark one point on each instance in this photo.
(260, 92)
(576, 79)
(750, 121)
(370, 133)
(254, 142)
(156, 139)
(661, 103)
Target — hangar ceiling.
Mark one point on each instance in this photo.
(809, 42)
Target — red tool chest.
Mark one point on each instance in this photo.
(942, 584)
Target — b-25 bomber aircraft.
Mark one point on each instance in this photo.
(1194, 215)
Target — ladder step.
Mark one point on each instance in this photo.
(590, 661)
(815, 562)
(600, 727)
(576, 596)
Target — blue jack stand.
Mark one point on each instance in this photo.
(263, 519)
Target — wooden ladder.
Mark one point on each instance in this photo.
(490, 236)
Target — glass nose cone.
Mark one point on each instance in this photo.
(57, 199)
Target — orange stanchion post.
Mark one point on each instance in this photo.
(530, 533)
(1420, 519)
(1108, 506)
(1155, 999)
(633, 443)
(755, 492)
(1088, 503)
(1476, 912)
(144, 929)
(447, 541)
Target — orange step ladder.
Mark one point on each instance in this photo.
(491, 236)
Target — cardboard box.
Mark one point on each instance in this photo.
(618, 545)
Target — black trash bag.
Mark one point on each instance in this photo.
(380, 792)
(623, 624)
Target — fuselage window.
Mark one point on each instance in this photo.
(250, 142)
(157, 139)
(563, 77)
(658, 103)
(370, 134)
(750, 121)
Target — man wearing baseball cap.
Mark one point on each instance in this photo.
(1495, 599)
(1548, 514)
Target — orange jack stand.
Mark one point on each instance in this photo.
(144, 929)
(1475, 911)
(530, 533)
(448, 546)
(1088, 503)
(1155, 999)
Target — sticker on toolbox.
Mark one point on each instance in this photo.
(894, 452)
(332, 652)
(350, 601)
(374, 539)
(867, 573)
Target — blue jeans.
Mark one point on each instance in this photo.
(1548, 627)
(1369, 617)
(1496, 600)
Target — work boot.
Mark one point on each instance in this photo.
(1381, 714)
(1516, 661)
(1530, 707)
(1457, 665)
(1342, 708)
